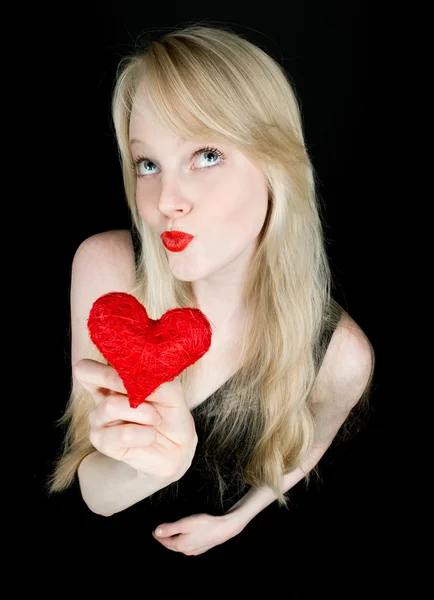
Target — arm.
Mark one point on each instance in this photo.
(341, 381)
(102, 263)
(109, 486)
(256, 499)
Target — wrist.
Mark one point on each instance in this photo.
(236, 516)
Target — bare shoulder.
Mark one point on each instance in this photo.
(102, 263)
(347, 367)
(112, 249)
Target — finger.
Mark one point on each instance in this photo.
(169, 394)
(116, 440)
(169, 543)
(169, 529)
(95, 375)
(116, 407)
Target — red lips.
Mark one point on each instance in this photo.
(175, 241)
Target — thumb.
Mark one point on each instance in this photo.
(169, 529)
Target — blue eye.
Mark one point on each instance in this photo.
(141, 163)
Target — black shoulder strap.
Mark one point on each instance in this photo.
(330, 323)
(136, 244)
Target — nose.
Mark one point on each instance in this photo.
(174, 210)
(173, 206)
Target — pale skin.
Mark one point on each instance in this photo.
(224, 207)
(221, 200)
(105, 262)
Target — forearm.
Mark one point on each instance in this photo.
(109, 486)
(256, 499)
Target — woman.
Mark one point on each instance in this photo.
(211, 146)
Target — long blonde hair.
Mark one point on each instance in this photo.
(206, 82)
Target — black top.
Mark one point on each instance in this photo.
(195, 492)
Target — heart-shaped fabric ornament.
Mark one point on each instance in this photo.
(145, 352)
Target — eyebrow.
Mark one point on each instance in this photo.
(136, 141)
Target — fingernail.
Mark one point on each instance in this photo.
(159, 532)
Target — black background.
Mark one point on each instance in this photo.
(359, 91)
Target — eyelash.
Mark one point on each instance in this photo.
(136, 161)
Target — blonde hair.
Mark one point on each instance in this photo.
(206, 82)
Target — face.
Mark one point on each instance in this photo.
(207, 189)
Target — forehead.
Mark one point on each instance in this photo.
(145, 125)
(142, 115)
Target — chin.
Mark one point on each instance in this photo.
(184, 273)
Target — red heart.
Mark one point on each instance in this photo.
(146, 353)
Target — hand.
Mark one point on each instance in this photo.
(157, 438)
(196, 534)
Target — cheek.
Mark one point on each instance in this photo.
(249, 205)
(145, 210)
